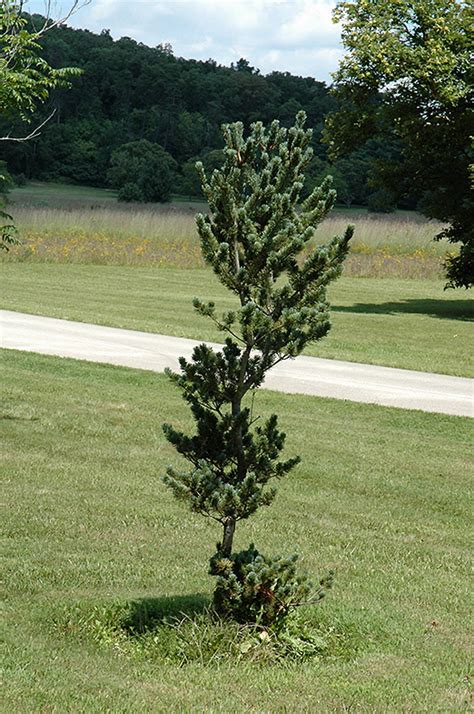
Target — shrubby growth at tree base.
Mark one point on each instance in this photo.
(254, 240)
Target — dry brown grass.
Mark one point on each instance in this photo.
(382, 247)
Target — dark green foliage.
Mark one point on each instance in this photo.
(252, 587)
(358, 174)
(20, 180)
(142, 171)
(460, 267)
(190, 184)
(26, 78)
(130, 192)
(253, 239)
(381, 201)
(407, 78)
(6, 181)
(128, 92)
(8, 231)
(219, 486)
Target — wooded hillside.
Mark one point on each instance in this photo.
(129, 92)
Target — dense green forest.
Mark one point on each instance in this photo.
(138, 118)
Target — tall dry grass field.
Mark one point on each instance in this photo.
(388, 246)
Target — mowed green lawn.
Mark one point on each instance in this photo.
(57, 195)
(412, 324)
(63, 195)
(380, 495)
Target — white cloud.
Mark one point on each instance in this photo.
(311, 23)
(286, 35)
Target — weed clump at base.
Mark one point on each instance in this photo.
(158, 630)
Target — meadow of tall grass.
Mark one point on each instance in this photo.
(388, 246)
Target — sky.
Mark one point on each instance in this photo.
(296, 36)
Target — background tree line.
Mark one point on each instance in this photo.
(407, 76)
(138, 118)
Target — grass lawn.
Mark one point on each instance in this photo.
(380, 495)
(411, 324)
(39, 193)
(63, 195)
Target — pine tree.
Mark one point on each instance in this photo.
(256, 239)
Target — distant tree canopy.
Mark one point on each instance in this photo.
(406, 80)
(129, 92)
(142, 171)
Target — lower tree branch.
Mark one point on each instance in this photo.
(33, 134)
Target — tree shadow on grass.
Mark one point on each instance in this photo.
(12, 417)
(147, 613)
(444, 309)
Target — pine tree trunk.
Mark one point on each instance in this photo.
(228, 538)
(229, 526)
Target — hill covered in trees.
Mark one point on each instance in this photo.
(136, 106)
